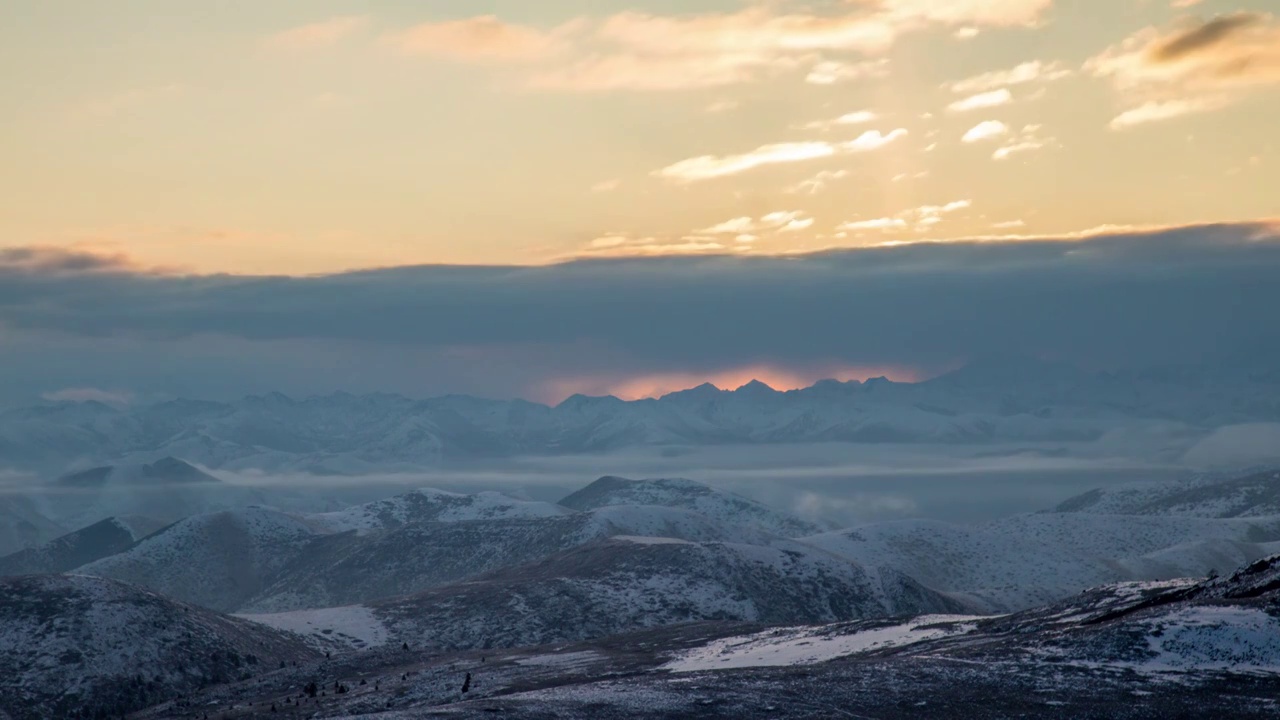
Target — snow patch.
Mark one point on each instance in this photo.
(810, 646)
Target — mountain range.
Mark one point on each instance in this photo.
(994, 400)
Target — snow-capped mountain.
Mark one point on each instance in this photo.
(990, 400)
(266, 560)
(217, 560)
(76, 646)
(103, 539)
(166, 490)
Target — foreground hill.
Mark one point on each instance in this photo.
(76, 646)
(1183, 648)
(623, 584)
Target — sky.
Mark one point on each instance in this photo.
(534, 199)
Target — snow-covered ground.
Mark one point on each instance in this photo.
(812, 645)
(354, 626)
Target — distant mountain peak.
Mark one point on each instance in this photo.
(171, 469)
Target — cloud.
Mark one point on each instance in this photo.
(707, 167)
(318, 34)
(722, 106)
(55, 261)
(872, 140)
(1028, 72)
(481, 39)
(985, 130)
(1158, 110)
(1028, 140)
(884, 223)
(818, 182)
(1177, 295)
(641, 51)
(830, 72)
(991, 98)
(990, 13)
(920, 219)
(1191, 67)
(623, 245)
(779, 221)
(78, 395)
(858, 117)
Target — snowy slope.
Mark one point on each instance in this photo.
(217, 560)
(22, 525)
(71, 644)
(618, 585)
(710, 502)
(1033, 559)
(428, 505)
(344, 570)
(109, 537)
(1251, 495)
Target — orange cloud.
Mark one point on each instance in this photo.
(481, 39)
(318, 34)
(656, 385)
(642, 51)
(1194, 66)
(708, 167)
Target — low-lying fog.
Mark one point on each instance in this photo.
(842, 483)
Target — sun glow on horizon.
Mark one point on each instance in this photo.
(655, 385)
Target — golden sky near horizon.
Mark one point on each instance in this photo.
(306, 136)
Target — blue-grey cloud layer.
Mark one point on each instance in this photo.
(1184, 295)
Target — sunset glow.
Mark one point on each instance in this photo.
(659, 384)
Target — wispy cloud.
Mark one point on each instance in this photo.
(989, 99)
(1192, 67)
(482, 39)
(830, 72)
(634, 50)
(779, 221)
(323, 33)
(1158, 110)
(920, 219)
(707, 167)
(858, 117)
(625, 245)
(985, 130)
(1027, 72)
(1027, 140)
(818, 182)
